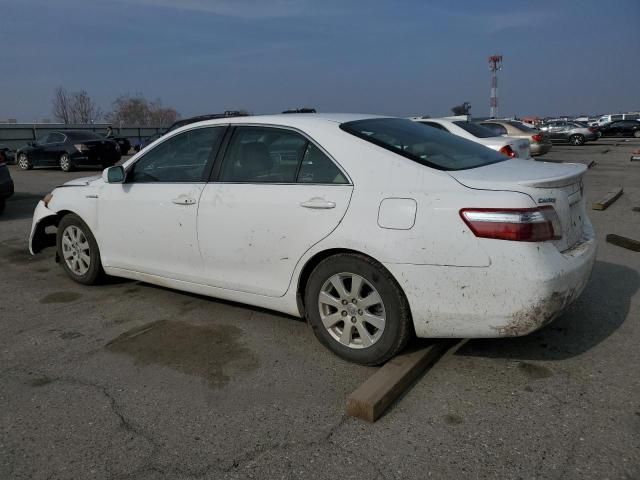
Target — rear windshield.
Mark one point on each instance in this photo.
(423, 144)
(522, 126)
(474, 129)
(84, 136)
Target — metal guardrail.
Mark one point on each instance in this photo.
(16, 135)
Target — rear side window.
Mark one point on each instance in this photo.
(55, 137)
(496, 128)
(435, 125)
(276, 155)
(522, 127)
(422, 144)
(478, 131)
(85, 136)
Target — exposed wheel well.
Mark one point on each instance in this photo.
(313, 262)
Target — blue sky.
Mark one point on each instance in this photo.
(391, 57)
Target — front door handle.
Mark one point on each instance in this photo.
(184, 200)
(318, 203)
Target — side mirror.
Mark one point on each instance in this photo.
(114, 174)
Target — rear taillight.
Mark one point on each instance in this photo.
(520, 225)
(81, 147)
(592, 130)
(508, 151)
(537, 137)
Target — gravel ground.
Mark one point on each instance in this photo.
(133, 381)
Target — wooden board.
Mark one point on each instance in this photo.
(608, 199)
(623, 242)
(370, 400)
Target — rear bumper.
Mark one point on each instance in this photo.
(514, 296)
(538, 149)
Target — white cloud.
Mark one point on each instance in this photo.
(238, 8)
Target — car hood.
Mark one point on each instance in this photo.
(82, 182)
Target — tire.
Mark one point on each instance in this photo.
(23, 162)
(2, 204)
(636, 134)
(577, 140)
(74, 239)
(323, 302)
(66, 165)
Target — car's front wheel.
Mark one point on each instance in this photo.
(65, 162)
(357, 309)
(636, 134)
(577, 140)
(78, 250)
(23, 162)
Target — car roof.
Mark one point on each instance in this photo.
(290, 119)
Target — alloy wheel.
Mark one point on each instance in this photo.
(65, 163)
(75, 250)
(23, 162)
(352, 310)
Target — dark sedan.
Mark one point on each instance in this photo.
(622, 128)
(6, 183)
(69, 149)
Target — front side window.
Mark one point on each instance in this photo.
(180, 159)
(422, 144)
(275, 155)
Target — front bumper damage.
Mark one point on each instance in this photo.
(39, 239)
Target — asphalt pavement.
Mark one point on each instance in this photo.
(133, 381)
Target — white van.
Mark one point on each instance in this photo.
(616, 117)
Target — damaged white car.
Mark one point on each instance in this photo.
(374, 229)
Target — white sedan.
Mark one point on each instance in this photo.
(375, 229)
(509, 146)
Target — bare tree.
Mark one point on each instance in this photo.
(62, 106)
(77, 107)
(84, 109)
(137, 110)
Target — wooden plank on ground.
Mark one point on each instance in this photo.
(370, 400)
(624, 242)
(608, 199)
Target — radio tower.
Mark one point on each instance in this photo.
(495, 64)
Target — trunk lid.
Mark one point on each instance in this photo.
(558, 185)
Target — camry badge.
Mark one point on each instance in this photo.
(547, 200)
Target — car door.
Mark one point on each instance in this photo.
(51, 150)
(148, 223)
(274, 194)
(38, 154)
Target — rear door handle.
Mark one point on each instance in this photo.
(318, 203)
(184, 200)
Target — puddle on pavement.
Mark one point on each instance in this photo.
(61, 297)
(534, 371)
(213, 352)
(451, 419)
(40, 381)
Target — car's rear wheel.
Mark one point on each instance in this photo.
(23, 162)
(65, 162)
(357, 309)
(577, 140)
(78, 250)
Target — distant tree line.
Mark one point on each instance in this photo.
(79, 107)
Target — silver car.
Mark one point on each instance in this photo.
(539, 143)
(568, 131)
